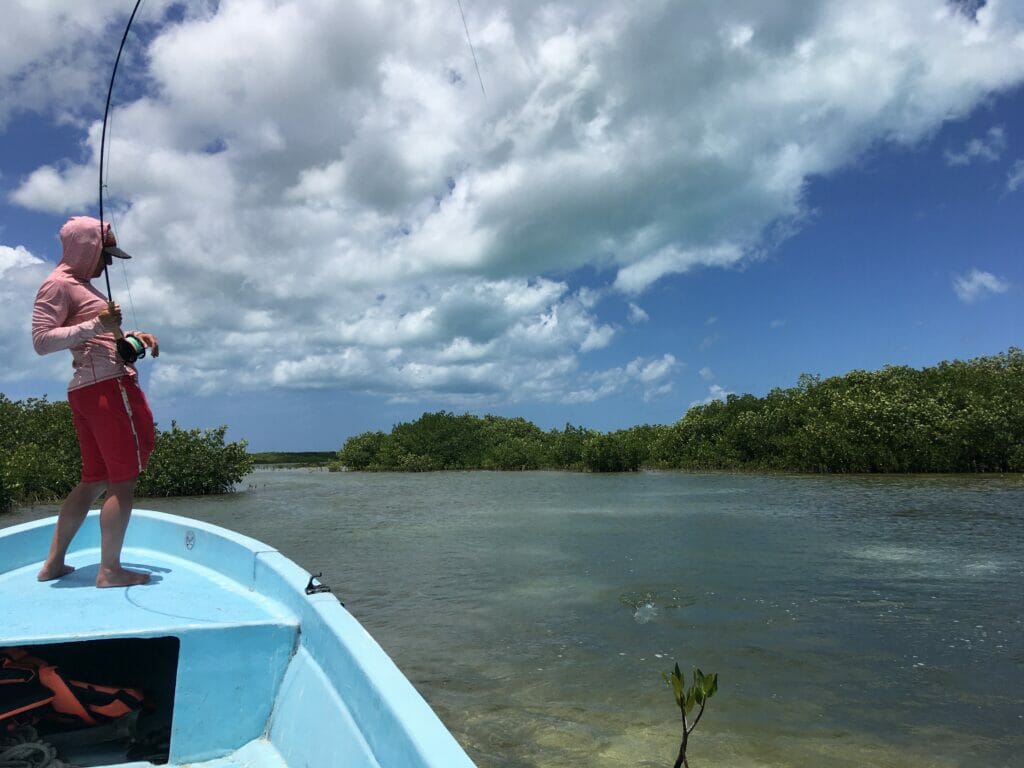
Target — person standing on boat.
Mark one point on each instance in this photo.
(111, 416)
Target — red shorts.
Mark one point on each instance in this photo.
(115, 429)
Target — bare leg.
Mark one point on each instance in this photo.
(114, 517)
(69, 520)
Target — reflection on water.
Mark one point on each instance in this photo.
(853, 621)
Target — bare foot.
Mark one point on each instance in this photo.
(120, 577)
(51, 572)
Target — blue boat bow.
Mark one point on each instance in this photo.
(263, 675)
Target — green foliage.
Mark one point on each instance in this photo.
(439, 440)
(566, 447)
(362, 451)
(697, 694)
(39, 456)
(294, 458)
(512, 444)
(194, 462)
(954, 417)
(701, 689)
(445, 441)
(613, 452)
(40, 460)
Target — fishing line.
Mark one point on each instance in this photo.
(465, 26)
(128, 288)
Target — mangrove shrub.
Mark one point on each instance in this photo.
(194, 462)
(953, 417)
(40, 461)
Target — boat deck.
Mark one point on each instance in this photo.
(181, 596)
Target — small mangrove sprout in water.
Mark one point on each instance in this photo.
(701, 689)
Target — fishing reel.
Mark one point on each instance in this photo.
(130, 348)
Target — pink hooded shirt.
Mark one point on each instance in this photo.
(67, 308)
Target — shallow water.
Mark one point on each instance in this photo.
(853, 621)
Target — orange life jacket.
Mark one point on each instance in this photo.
(28, 684)
(20, 690)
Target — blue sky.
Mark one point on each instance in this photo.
(334, 230)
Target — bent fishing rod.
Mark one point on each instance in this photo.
(129, 347)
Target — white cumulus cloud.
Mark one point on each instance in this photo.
(1015, 178)
(653, 377)
(21, 273)
(977, 284)
(715, 392)
(637, 314)
(321, 187)
(987, 148)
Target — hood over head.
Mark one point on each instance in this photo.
(83, 244)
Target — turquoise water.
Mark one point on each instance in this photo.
(853, 621)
